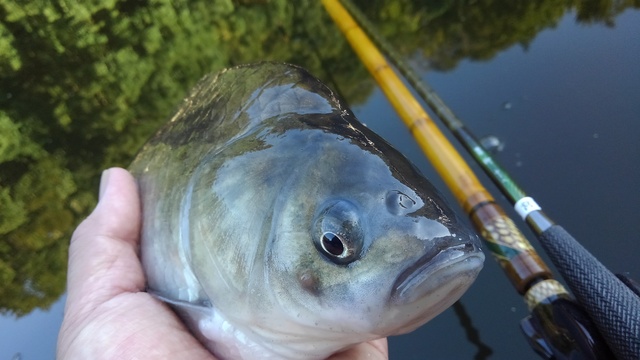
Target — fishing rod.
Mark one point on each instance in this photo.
(610, 300)
(557, 328)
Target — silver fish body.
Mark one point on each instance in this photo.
(279, 227)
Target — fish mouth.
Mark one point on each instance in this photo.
(442, 264)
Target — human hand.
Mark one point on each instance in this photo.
(108, 315)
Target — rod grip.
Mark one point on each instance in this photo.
(613, 307)
(510, 248)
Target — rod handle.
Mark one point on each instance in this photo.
(509, 247)
(614, 308)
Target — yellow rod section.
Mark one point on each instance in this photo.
(445, 158)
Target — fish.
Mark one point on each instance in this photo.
(278, 226)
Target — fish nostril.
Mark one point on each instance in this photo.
(399, 203)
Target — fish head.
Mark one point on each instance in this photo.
(367, 246)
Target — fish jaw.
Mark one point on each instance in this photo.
(433, 283)
(412, 284)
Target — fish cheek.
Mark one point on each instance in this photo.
(308, 273)
(309, 282)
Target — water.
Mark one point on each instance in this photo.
(571, 141)
(570, 132)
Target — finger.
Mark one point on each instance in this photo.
(372, 350)
(119, 206)
(103, 258)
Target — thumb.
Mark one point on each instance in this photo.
(103, 258)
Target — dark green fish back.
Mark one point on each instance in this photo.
(236, 95)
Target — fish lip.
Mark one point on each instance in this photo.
(409, 285)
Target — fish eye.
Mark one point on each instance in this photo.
(333, 244)
(339, 233)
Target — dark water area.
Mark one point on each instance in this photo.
(566, 108)
(557, 83)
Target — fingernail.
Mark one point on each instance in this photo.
(104, 180)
